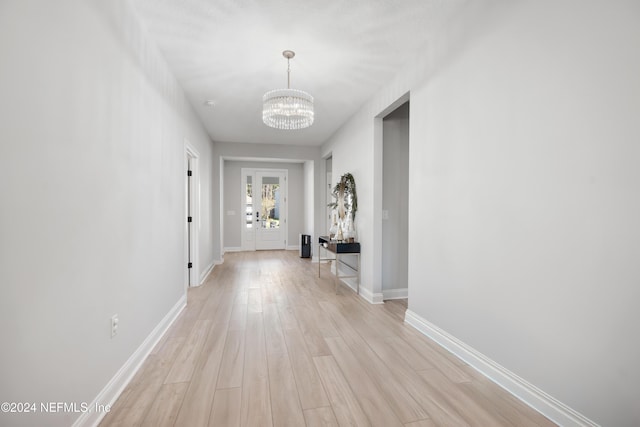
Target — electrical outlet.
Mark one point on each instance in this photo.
(114, 325)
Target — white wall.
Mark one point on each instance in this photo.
(525, 150)
(524, 193)
(92, 197)
(233, 200)
(352, 153)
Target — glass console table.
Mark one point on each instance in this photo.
(339, 249)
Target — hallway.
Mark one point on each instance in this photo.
(266, 342)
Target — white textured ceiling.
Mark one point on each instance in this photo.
(230, 51)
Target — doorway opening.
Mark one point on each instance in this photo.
(395, 204)
(328, 192)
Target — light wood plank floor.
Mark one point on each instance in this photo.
(265, 342)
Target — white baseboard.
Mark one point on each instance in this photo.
(345, 269)
(370, 297)
(293, 247)
(398, 293)
(114, 388)
(232, 249)
(205, 274)
(548, 406)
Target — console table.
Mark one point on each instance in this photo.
(338, 249)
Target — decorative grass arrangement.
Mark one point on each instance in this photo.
(346, 197)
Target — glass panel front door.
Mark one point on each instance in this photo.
(248, 202)
(271, 217)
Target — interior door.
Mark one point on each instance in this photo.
(189, 223)
(270, 210)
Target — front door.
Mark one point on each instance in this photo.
(264, 223)
(271, 212)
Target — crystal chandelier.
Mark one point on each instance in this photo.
(288, 108)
